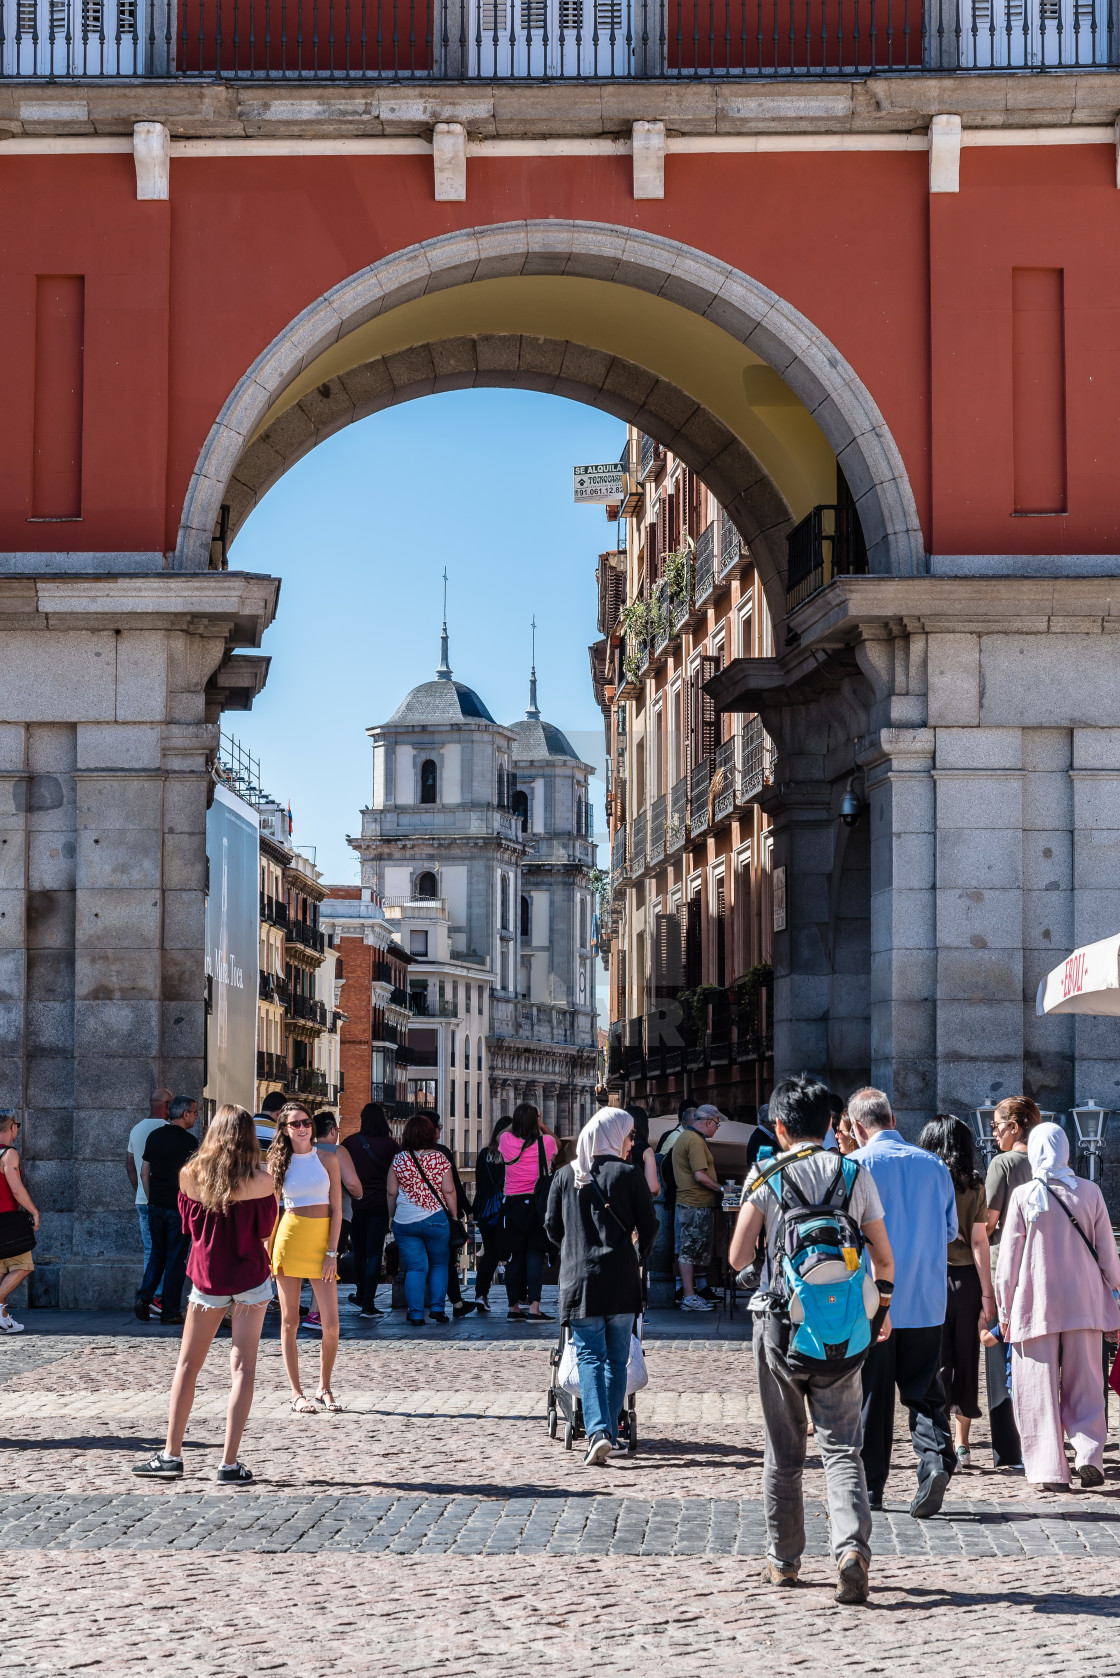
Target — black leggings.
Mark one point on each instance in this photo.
(960, 1340)
(525, 1239)
(493, 1251)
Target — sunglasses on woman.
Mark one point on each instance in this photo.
(299, 1124)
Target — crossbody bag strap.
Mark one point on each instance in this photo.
(1073, 1220)
(609, 1208)
(415, 1158)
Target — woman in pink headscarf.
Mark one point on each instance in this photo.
(1057, 1284)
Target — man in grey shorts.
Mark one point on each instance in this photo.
(698, 1195)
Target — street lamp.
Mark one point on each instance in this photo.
(986, 1137)
(1088, 1121)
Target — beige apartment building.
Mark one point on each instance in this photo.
(687, 912)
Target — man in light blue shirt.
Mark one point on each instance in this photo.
(920, 1210)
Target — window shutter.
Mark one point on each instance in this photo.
(694, 965)
(707, 705)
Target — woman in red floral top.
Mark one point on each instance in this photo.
(422, 1203)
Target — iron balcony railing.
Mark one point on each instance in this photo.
(535, 40)
(655, 847)
(705, 564)
(681, 604)
(827, 543)
(756, 764)
(273, 1068)
(618, 856)
(302, 932)
(730, 546)
(652, 455)
(722, 793)
(698, 819)
(676, 831)
(638, 844)
(306, 1008)
(273, 910)
(660, 600)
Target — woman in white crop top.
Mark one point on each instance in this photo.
(305, 1244)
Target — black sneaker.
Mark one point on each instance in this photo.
(169, 1321)
(875, 1499)
(439, 1316)
(463, 1309)
(142, 1311)
(238, 1475)
(159, 1467)
(368, 1316)
(482, 1305)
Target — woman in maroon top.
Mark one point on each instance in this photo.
(228, 1207)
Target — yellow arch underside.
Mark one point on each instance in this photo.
(668, 340)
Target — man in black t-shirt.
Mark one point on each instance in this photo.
(166, 1151)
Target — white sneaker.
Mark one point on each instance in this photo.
(8, 1325)
(693, 1302)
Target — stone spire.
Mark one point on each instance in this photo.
(443, 674)
(533, 713)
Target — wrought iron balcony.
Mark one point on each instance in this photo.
(655, 847)
(676, 831)
(661, 606)
(827, 543)
(725, 776)
(273, 910)
(619, 869)
(698, 818)
(638, 844)
(302, 932)
(486, 40)
(730, 547)
(306, 1008)
(756, 764)
(705, 564)
(680, 605)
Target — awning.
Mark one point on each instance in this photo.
(1087, 982)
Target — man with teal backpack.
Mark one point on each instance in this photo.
(831, 1275)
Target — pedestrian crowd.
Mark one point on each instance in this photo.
(878, 1269)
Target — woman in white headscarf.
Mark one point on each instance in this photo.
(1056, 1284)
(596, 1207)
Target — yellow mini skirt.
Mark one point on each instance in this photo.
(300, 1246)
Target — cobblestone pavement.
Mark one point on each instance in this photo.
(435, 1528)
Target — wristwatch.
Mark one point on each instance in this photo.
(329, 1254)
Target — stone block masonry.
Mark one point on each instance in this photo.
(103, 795)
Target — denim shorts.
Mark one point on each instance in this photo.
(222, 1301)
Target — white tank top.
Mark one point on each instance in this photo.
(306, 1182)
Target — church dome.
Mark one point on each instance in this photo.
(536, 739)
(441, 701)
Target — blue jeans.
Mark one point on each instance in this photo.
(602, 1350)
(425, 1247)
(146, 1237)
(171, 1247)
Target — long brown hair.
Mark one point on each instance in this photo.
(279, 1155)
(227, 1158)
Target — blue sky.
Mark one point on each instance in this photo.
(360, 530)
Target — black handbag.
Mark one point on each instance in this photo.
(543, 1183)
(17, 1232)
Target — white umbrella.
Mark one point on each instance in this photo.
(1087, 982)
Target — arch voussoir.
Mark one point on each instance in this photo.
(749, 311)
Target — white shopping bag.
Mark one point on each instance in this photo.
(637, 1376)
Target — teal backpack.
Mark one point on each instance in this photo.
(821, 1282)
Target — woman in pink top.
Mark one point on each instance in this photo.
(1056, 1286)
(228, 1208)
(528, 1151)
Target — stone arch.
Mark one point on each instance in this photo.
(750, 313)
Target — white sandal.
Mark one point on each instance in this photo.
(301, 1405)
(326, 1398)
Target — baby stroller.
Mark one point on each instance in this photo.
(562, 1401)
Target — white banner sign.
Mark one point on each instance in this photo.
(598, 483)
